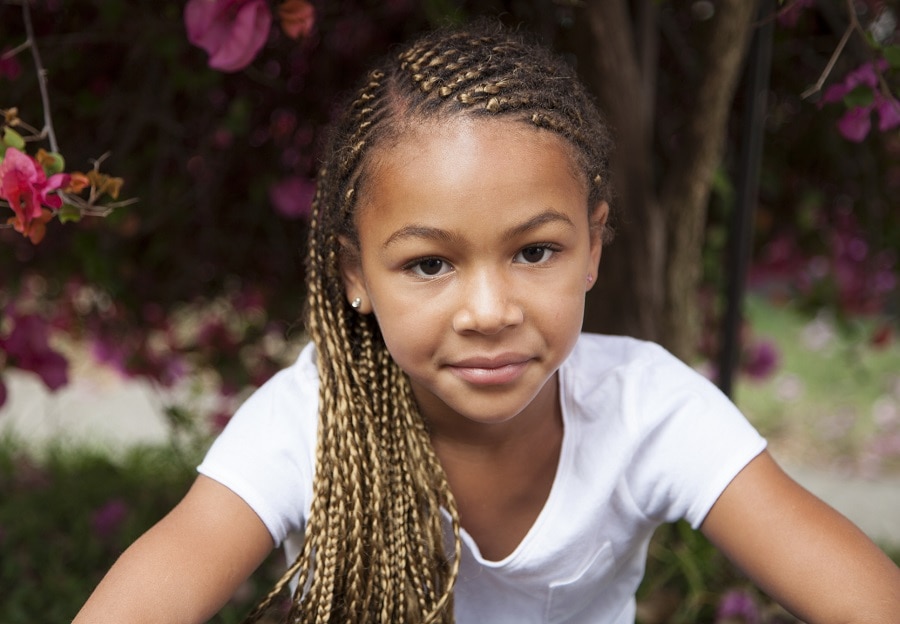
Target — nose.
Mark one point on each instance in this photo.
(488, 304)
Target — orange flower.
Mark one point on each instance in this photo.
(297, 18)
(77, 183)
(34, 229)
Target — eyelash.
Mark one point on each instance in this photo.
(547, 247)
(413, 266)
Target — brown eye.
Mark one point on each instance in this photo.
(429, 267)
(534, 254)
(432, 266)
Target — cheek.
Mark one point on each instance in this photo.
(569, 311)
(405, 328)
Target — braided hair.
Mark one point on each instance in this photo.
(375, 549)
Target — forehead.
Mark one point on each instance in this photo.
(464, 149)
(469, 171)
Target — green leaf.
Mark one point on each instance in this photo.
(892, 55)
(13, 139)
(69, 214)
(54, 163)
(860, 96)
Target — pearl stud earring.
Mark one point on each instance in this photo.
(356, 303)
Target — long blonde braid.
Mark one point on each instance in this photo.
(375, 548)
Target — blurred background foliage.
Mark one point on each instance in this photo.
(222, 165)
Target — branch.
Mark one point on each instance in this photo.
(12, 52)
(41, 75)
(853, 27)
(834, 57)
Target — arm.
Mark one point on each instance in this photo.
(807, 556)
(185, 567)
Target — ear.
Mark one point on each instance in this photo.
(352, 274)
(597, 220)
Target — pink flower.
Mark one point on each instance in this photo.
(737, 606)
(110, 353)
(27, 348)
(108, 518)
(231, 31)
(864, 75)
(292, 197)
(760, 359)
(26, 187)
(790, 14)
(855, 124)
(888, 112)
(9, 66)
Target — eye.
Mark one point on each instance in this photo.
(535, 254)
(428, 267)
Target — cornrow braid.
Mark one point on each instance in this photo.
(375, 548)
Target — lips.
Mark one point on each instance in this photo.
(490, 371)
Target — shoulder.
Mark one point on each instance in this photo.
(677, 438)
(284, 409)
(268, 447)
(624, 365)
(638, 382)
(290, 388)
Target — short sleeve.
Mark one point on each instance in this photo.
(692, 440)
(266, 453)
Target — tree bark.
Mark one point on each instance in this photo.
(649, 276)
(686, 187)
(629, 295)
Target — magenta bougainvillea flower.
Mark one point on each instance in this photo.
(108, 518)
(231, 31)
(738, 606)
(855, 124)
(27, 189)
(790, 13)
(27, 348)
(865, 75)
(761, 359)
(10, 68)
(292, 197)
(888, 112)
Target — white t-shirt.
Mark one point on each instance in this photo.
(646, 440)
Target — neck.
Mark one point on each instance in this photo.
(537, 424)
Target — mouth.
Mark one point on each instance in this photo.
(490, 371)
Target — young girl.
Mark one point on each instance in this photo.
(450, 446)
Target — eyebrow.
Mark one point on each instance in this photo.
(548, 216)
(420, 231)
(416, 230)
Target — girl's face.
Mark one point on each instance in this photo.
(475, 255)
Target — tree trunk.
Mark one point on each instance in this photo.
(629, 295)
(686, 187)
(650, 274)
